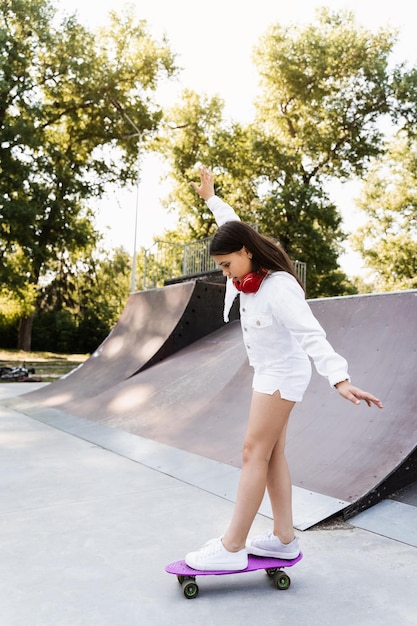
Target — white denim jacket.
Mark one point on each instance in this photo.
(279, 328)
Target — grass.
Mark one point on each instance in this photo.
(48, 365)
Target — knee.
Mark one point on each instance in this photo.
(254, 453)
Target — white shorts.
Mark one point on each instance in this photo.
(291, 386)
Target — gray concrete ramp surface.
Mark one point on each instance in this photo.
(342, 455)
(361, 454)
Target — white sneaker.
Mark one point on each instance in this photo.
(268, 544)
(213, 556)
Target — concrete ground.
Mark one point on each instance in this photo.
(87, 525)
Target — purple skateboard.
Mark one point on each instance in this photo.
(273, 567)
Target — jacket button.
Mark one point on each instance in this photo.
(258, 323)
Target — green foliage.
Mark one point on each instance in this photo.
(60, 331)
(104, 288)
(325, 89)
(163, 260)
(388, 240)
(78, 311)
(9, 320)
(190, 136)
(195, 133)
(74, 103)
(54, 331)
(66, 95)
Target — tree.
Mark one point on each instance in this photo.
(388, 240)
(190, 135)
(324, 90)
(195, 132)
(65, 94)
(105, 290)
(78, 311)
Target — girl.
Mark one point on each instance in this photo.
(280, 333)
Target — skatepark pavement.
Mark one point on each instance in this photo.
(91, 514)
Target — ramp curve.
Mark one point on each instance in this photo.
(198, 399)
(153, 325)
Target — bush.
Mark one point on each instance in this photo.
(9, 329)
(54, 331)
(91, 332)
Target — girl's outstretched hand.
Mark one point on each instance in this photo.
(355, 395)
(206, 187)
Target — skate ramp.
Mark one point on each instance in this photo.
(362, 454)
(198, 400)
(153, 325)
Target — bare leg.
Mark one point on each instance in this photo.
(268, 419)
(280, 491)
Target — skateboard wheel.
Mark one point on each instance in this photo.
(281, 580)
(271, 571)
(190, 589)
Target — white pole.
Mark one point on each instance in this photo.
(133, 275)
(138, 135)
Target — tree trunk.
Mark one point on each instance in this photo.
(24, 340)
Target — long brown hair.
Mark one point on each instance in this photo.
(266, 253)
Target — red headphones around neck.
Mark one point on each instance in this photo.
(251, 282)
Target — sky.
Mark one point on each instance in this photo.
(214, 42)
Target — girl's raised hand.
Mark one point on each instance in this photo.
(206, 187)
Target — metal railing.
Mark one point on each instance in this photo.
(166, 260)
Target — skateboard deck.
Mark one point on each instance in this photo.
(273, 567)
